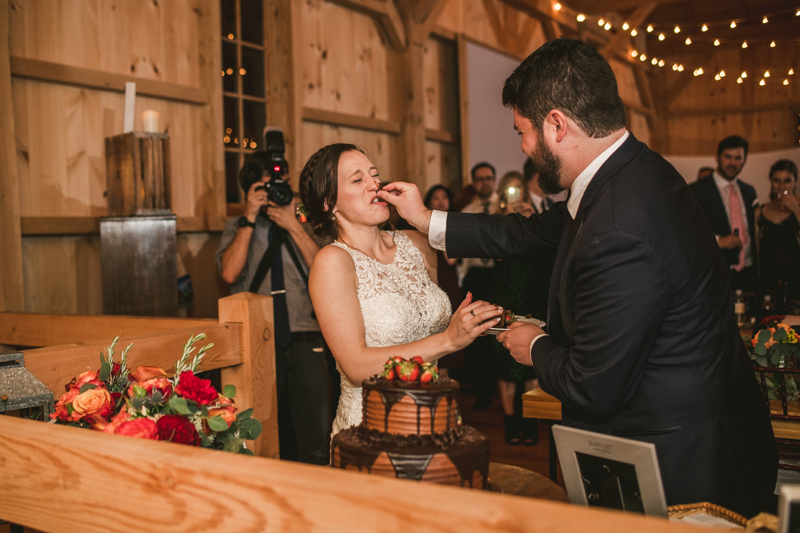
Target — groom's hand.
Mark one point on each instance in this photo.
(517, 340)
(408, 201)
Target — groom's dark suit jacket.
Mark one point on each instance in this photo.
(642, 339)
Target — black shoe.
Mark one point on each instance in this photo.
(511, 424)
(530, 431)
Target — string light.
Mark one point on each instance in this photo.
(721, 73)
(677, 29)
(739, 80)
(704, 28)
(791, 72)
(772, 44)
(601, 22)
(661, 37)
(675, 67)
(661, 63)
(557, 7)
(625, 26)
(698, 71)
(634, 53)
(688, 41)
(766, 74)
(744, 44)
(744, 75)
(716, 42)
(649, 28)
(717, 77)
(786, 82)
(607, 26)
(680, 68)
(634, 33)
(762, 83)
(642, 57)
(581, 17)
(654, 61)
(797, 13)
(764, 20)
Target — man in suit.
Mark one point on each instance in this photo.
(641, 340)
(729, 204)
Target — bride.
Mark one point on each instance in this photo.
(374, 292)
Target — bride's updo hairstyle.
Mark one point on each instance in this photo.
(319, 188)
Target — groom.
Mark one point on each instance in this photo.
(641, 341)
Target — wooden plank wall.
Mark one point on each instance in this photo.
(701, 111)
(60, 128)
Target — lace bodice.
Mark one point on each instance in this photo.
(399, 303)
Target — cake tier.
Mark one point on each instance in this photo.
(410, 407)
(447, 459)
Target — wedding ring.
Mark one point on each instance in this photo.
(472, 313)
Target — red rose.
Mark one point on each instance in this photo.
(193, 388)
(142, 428)
(177, 428)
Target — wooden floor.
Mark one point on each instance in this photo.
(490, 423)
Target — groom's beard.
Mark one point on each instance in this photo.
(549, 167)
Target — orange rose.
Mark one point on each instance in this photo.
(159, 383)
(144, 373)
(142, 428)
(224, 400)
(94, 401)
(112, 426)
(86, 377)
(226, 413)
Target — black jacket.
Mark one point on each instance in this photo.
(643, 342)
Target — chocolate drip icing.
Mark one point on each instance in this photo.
(423, 394)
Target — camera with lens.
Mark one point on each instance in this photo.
(278, 190)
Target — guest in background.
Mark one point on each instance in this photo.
(475, 275)
(302, 375)
(778, 233)
(729, 205)
(464, 198)
(540, 201)
(441, 198)
(704, 172)
(513, 288)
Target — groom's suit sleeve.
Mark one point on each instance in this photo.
(504, 236)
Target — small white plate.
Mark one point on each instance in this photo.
(534, 321)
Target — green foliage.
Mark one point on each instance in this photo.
(87, 386)
(217, 423)
(229, 391)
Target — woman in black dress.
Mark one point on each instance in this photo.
(778, 228)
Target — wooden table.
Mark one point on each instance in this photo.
(523, 482)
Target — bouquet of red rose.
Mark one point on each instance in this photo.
(145, 403)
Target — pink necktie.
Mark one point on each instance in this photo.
(737, 222)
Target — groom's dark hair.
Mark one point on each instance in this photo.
(571, 76)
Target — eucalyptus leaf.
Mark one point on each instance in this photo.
(179, 406)
(246, 451)
(764, 335)
(229, 391)
(105, 371)
(247, 413)
(217, 423)
(762, 361)
(760, 349)
(251, 428)
(779, 335)
(233, 445)
(87, 386)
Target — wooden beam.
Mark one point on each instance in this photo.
(67, 479)
(494, 22)
(672, 92)
(39, 226)
(441, 136)
(426, 12)
(734, 110)
(12, 297)
(604, 6)
(39, 329)
(57, 365)
(95, 79)
(623, 37)
(351, 121)
(526, 35)
(463, 108)
(386, 16)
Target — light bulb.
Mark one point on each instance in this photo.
(717, 77)
(772, 44)
(716, 42)
(642, 57)
(661, 63)
(791, 72)
(661, 37)
(680, 68)
(739, 80)
(581, 17)
(764, 20)
(634, 53)
(766, 74)
(704, 28)
(625, 26)
(721, 73)
(733, 24)
(649, 28)
(762, 83)
(634, 33)
(557, 7)
(677, 29)
(688, 41)
(675, 67)
(786, 82)
(601, 22)
(654, 61)
(744, 44)
(607, 26)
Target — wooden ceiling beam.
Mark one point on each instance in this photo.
(604, 6)
(386, 15)
(622, 37)
(494, 22)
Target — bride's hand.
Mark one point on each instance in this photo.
(470, 321)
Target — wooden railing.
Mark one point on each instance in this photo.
(65, 479)
(243, 350)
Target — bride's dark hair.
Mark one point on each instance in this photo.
(319, 187)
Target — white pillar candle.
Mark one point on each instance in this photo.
(150, 121)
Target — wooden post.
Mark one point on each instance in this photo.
(412, 106)
(12, 296)
(257, 371)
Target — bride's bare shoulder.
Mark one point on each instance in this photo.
(333, 257)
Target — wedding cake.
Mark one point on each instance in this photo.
(412, 429)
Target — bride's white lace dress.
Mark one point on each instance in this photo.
(399, 303)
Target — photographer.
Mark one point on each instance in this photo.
(268, 242)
